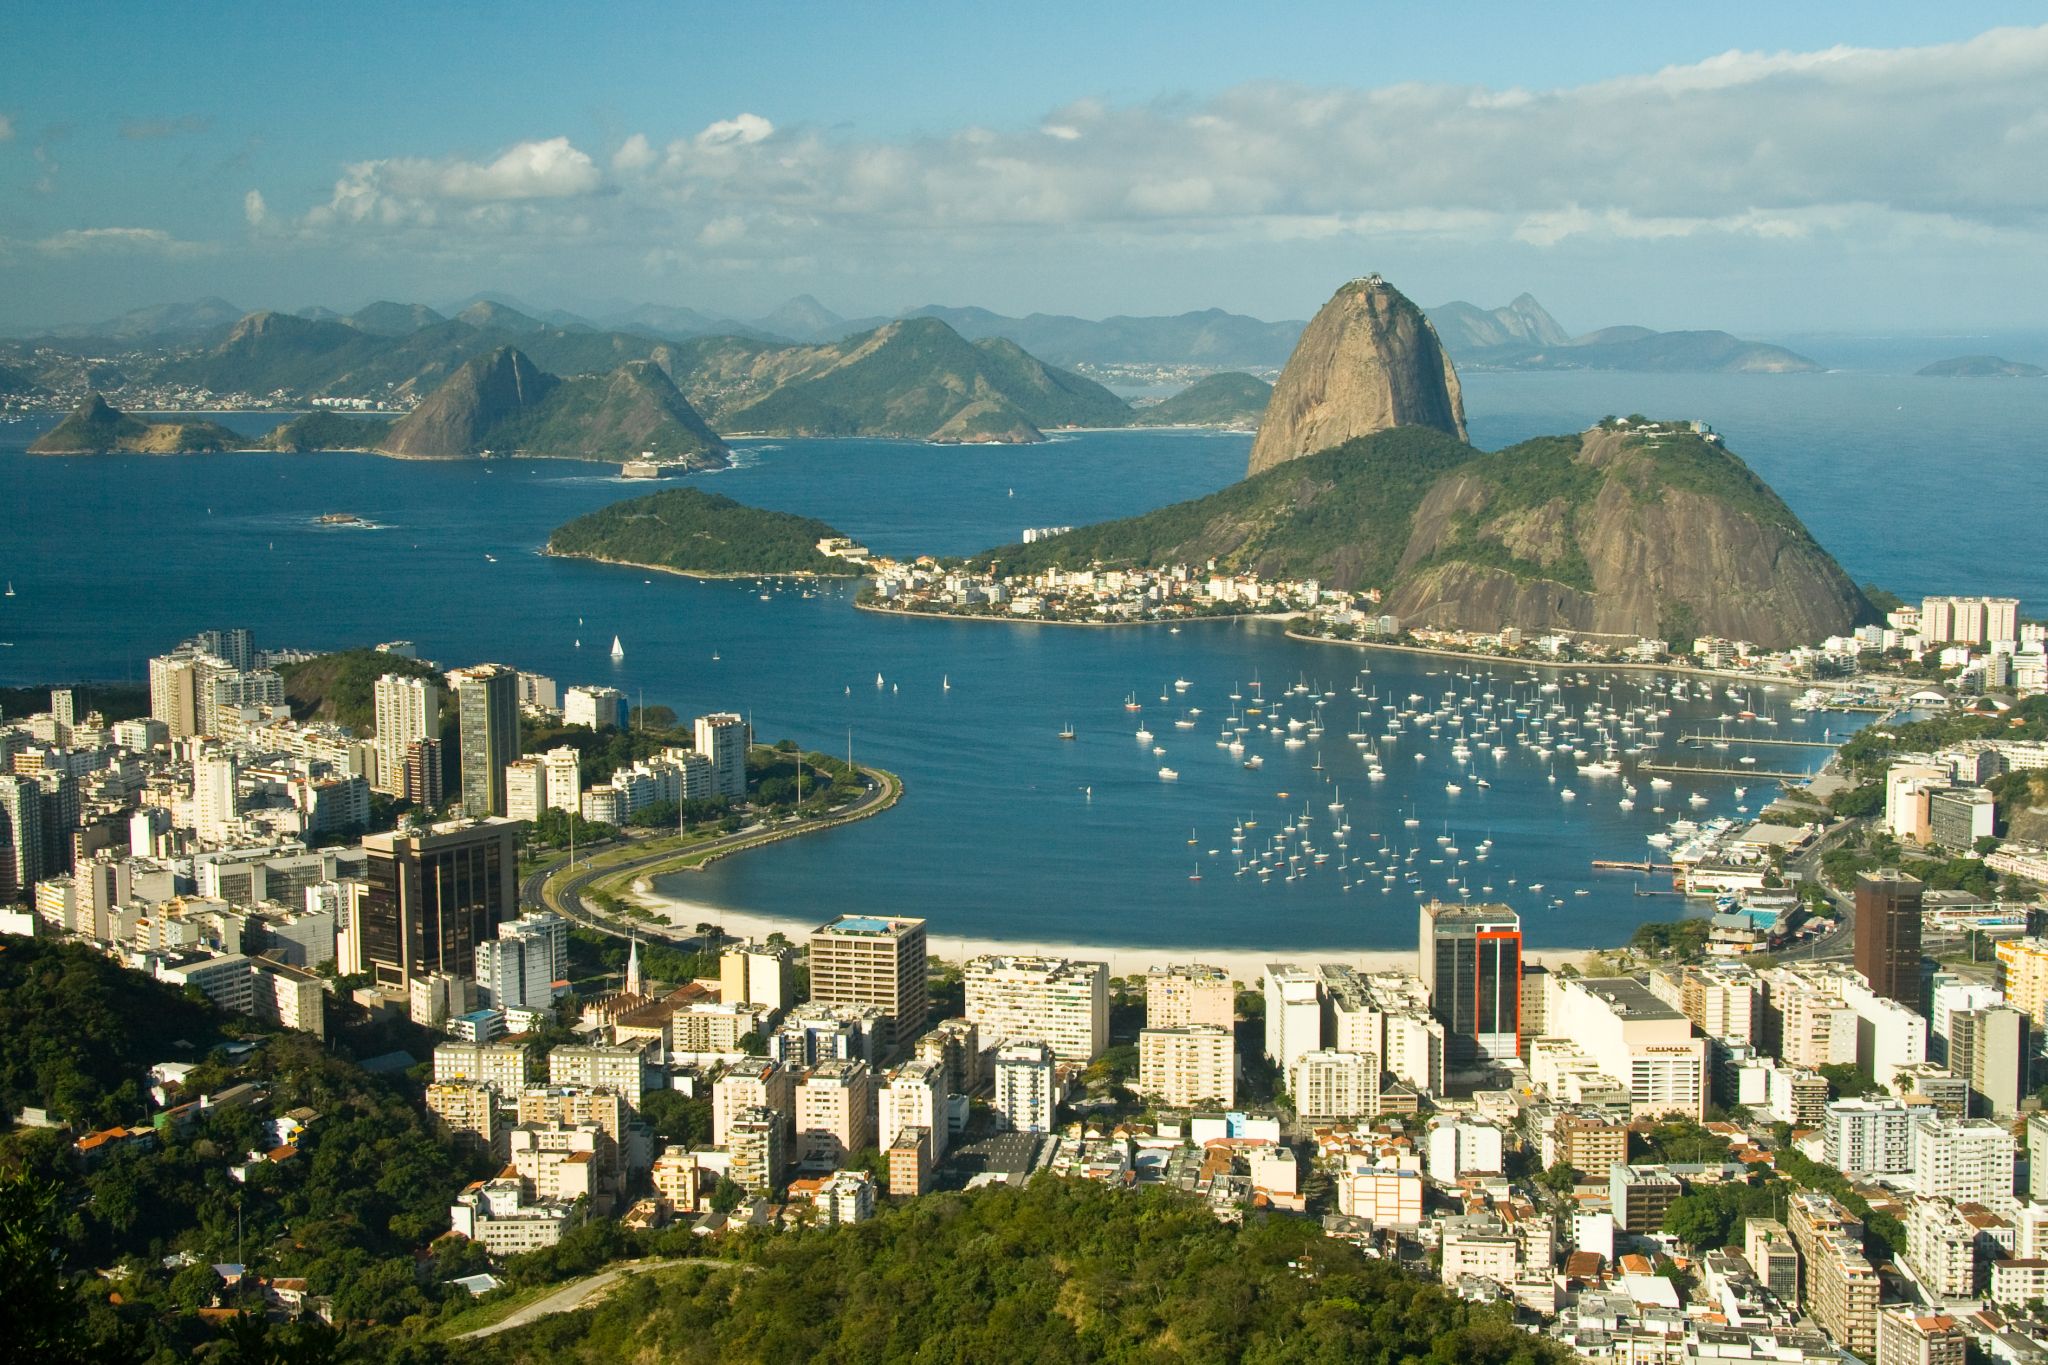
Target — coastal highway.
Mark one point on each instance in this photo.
(566, 897)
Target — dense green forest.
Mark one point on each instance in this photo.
(1056, 1270)
(342, 687)
(328, 430)
(692, 531)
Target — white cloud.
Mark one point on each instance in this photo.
(741, 130)
(254, 209)
(130, 241)
(1768, 149)
(634, 154)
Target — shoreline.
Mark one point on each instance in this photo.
(1043, 621)
(549, 552)
(1581, 665)
(1244, 964)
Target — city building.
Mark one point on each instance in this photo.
(618, 1068)
(595, 708)
(835, 1114)
(2023, 976)
(434, 895)
(504, 1216)
(1888, 934)
(1189, 1066)
(759, 1148)
(1189, 993)
(1988, 1049)
(487, 721)
(519, 968)
(722, 738)
(1061, 1003)
(913, 1096)
(1967, 1160)
(1640, 1196)
(1471, 960)
(408, 709)
(1025, 1097)
(757, 974)
(764, 1086)
(1841, 1286)
(1331, 1084)
(872, 960)
(1866, 1137)
(526, 789)
(1907, 1335)
(1630, 1035)
(1294, 1014)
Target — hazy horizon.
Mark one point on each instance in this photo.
(1761, 172)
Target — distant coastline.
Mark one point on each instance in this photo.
(549, 552)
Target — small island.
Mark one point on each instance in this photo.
(95, 428)
(325, 430)
(1981, 367)
(1229, 399)
(707, 535)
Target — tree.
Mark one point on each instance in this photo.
(45, 1320)
(1561, 1178)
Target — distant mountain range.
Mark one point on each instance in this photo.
(1523, 336)
(402, 350)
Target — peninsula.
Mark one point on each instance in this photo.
(1981, 367)
(94, 428)
(689, 531)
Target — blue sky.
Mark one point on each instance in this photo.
(1760, 167)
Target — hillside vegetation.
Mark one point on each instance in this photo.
(1058, 1270)
(341, 687)
(1215, 400)
(688, 530)
(324, 430)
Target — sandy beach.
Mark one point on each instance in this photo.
(1246, 965)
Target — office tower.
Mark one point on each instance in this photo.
(1189, 993)
(408, 710)
(434, 896)
(21, 837)
(1987, 1048)
(487, 724)
(1294, 1014)
(870, 960)
(423, 784)
(722, 738)
(213, 797)
(1471, 962)
(1888, 935)
(1049, 1000)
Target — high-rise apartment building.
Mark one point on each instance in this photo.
(756, 973)
(1025, 1097)
(518, 969)
(564, 778)
(526, 789)
(1907, 1335)
(1987, 1048)
(1294, 1013)
(1329, 1084)
(1189, 993)
(835, 1114)
(408, 710)
(434, 895)
(871, 960)
(423, 782)
(722, 738)
(487, 723)
(1195, 1064)
(213, 797)
(21, 837)
(2023, 976)
(1050, 1000)
(1471, 961)
(1888, 934)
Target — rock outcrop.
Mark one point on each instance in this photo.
(457, 418)
(96, 428)
(1368, 361)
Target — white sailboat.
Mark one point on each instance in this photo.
(618, 650)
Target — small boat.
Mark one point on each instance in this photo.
(945, 683)
(618, 650)
(878, 682)
(1067, 731)
(1168, 775)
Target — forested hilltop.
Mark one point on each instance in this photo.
(1056, 1270)
(690, 531)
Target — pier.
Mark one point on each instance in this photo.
(1747, 739)
(1645, 865)
(1705, 770)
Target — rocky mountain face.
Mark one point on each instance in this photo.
(1465, 327)
(503, 402)
(1621, 532)
(1367, 362)
(457, 418)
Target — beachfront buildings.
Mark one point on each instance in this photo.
(873, 960)
(1061, 1003)
(1294, 1013)
(1193, 1065)
(1189, 993)
(1470, 959)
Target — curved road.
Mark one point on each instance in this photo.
(566, 899)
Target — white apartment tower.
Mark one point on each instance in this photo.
(408, 710)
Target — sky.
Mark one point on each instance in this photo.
(1765, 168)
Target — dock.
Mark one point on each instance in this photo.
(1758, 739)
(1643, 865)
(1705, 770)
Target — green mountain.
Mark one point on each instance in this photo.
(1622, 530)
(503, 402)
(1982, 367)
(327, 430)
(393, 319)
(1210, 337)
(915, 379)
(1215, 400)
(688, 530)
(93, 428)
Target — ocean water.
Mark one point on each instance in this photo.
(1919, 485)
